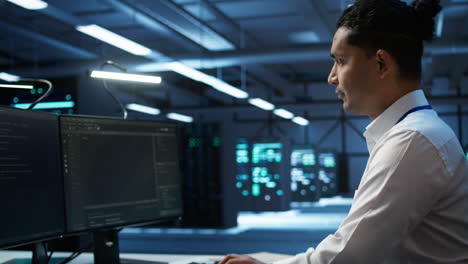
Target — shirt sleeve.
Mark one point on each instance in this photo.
(403, 179)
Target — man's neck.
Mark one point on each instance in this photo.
(392, 94)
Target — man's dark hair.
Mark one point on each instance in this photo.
(393, 26)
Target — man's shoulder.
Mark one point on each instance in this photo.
(424, 126)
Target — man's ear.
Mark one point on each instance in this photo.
(385, 63)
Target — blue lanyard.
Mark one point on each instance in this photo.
(417, 108)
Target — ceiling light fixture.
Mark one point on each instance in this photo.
(283, 113)
(179, 117)
(9, 77)
(30, 4)
(125, 77)
(440, 24)
(260, 103)
(300, 121)
(16, 86)
(114, 39)
(143, 109)
(207, 79)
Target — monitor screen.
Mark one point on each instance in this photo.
(303, 174)
(267, 186)
(266, 152)
(243, 179)
(303, 157)
(266, 157)
(31, 187)
(327, 173)
(327, 160)
(119, 172)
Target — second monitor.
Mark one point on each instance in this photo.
(118, 173)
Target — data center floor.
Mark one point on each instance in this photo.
(288, 232)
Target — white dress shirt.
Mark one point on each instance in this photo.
(412, 202)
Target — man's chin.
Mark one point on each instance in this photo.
(348, 109)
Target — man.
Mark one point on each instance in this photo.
(412, 203)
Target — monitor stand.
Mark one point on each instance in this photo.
(106, 246)
(106, 249)
(39, 256)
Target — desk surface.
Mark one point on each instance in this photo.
(87, 258)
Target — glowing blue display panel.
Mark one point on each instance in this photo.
(266, 152)
(327, 173)
(258, 175)
(243, 178)
(304, 182)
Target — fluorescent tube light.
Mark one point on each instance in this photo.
(9, 77)
(207, 79)
(113, 39)
(30, 4)
(283, 113)
(16, 86)
(179, 117)
(260, 103)
(300, 121)
(143, 109)
(47, 105)
(125, 77)
(440, 24)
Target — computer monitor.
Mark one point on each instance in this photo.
(118, 173)
(31, 188)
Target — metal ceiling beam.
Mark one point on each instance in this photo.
(300, 107)
(177, 19)
(310, 10)
(61, 16)
(310, 53)
(151, 23)
(57, 44)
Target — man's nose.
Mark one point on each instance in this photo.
(332, 77)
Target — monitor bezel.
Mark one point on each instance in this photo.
(69, 231)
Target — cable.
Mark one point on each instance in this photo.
(118, 66)
(45, 95)
(77, 253)
(50, 256)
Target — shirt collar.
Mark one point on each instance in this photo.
(379, 126)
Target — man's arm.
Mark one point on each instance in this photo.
(403, 179)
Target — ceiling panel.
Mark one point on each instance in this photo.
(200, 12)
(279, 25)
(256, 8)
(81, 6)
